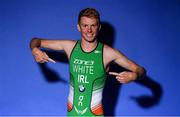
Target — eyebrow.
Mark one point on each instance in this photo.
(89, 24)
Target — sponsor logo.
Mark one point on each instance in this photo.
(97, 51)
(80, 111)
(81, 88)
(83, 62)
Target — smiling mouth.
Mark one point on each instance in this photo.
(90, 35)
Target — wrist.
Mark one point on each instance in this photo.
(35, 50)
(135, 75)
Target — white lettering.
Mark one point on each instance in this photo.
(82, 79)
(80, 103)
(83, 69)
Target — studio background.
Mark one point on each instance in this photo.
(146, 31)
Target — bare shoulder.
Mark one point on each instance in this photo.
(110, 51)
(68, 41)
(107, 48)
(65, 42)
(68, 44)
(112, 54)
(109, 54)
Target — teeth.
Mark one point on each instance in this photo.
(89, 35)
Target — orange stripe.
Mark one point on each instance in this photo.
(69, 106)
(97, 110)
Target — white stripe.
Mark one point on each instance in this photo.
(71, 94)
(96, 97)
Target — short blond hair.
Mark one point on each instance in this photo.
(89, 12)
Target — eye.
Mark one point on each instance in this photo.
(84, 25)
(94, 26)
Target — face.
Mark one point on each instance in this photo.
(89, 28)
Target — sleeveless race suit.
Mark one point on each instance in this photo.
(87, 79)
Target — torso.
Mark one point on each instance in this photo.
(107, 51)
(87, 79)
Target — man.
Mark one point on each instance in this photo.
(88, 61)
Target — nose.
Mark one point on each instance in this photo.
(89, 29)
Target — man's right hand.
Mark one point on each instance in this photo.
(40, 56)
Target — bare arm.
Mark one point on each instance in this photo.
(135, 71)
(41, 56)
(123, 61)
(46, 43)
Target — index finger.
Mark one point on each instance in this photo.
(51, 60)
(114, 73)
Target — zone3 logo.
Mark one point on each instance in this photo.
(84, 62)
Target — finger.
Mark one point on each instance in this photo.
(123, 74)
(45, 55)
(42, 61)
(51, 60)
(119, 77)
(113, 73)
(120, 81)
(45, 60)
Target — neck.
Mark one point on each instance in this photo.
(88, 46)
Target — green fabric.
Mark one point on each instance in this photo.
(87, 74)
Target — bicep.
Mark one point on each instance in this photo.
(123, 61)
(53, 44)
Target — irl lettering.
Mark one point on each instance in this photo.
(82, 79)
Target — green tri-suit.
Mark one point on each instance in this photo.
(87, 79)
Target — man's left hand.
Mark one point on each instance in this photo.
(124, 77)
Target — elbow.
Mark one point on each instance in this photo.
(141, 72)
(35, 42)
(35, 39)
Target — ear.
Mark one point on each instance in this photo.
(78, 27)
(99, 27)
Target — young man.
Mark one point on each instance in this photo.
(88, 62)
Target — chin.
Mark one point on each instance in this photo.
(90, 39)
